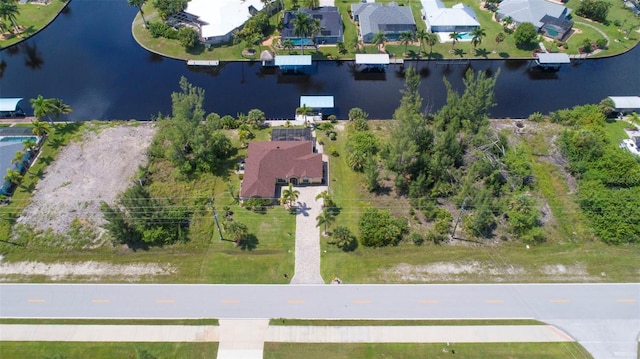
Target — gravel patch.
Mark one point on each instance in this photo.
(85, 173)
(450, 272)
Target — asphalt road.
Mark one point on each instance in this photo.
(605, 318)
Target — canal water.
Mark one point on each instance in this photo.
(88, 58)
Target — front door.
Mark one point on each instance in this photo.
(293, 181)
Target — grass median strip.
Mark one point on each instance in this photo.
(70, 350)
(423, 350)
(340, 322)
(112, 321)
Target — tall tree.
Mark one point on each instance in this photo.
(13, 176)
(431, 40)
(478, 34)
(167, 8)
(499, 38)
(288, 45)
(9, 11)
(455, 37)
(42, 107)
(302, 27)
(406, 37)
(40, 129)
(421, 36)
(139, 4)
(325, 219)
(59, 108)
(237, 231)
(379, 39)
(289, 196)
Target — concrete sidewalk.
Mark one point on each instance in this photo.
(109, 333)
(244, 338)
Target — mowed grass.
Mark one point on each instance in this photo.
(110, 321)
(70, 350)
(425, 350)
(385, 322)
(33, 17)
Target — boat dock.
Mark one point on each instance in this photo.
(203, 62)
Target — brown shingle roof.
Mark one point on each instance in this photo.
(267, 161)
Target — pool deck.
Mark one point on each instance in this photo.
(16, 120)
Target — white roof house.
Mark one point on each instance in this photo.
(221, 17)
(626, 103)
(439, 18)
(530, 11)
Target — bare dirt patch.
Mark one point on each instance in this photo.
(97, 168)
(92, 271)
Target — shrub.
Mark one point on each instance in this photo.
(332, 136)
(525, 35)
(417, 238)
(601, 43)
(333, 118)
(536, 117)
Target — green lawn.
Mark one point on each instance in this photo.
(487, 49)
(292, 322)
(33, 18)
(615, 130)
(69, 350)
(438, 350)
(111, 321)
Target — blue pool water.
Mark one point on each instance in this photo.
(18, 139)
(466, 36)
(299, 42)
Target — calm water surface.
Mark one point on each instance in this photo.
(88, 58)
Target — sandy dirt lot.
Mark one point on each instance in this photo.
(84, 174)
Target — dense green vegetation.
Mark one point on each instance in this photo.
(609, 177)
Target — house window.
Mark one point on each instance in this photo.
(280, 180)
(305, 180)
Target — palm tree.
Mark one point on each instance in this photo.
(59, 108)
(40, 129)
(499, 38)
(9, 11)
(13, 176)
(139, 4)
(431, 40)
(42, 107)
(326, 218)
(237, 231)
(288, 45)
(379, 38)
(327, 199)
(18, 158)
(289, 195)
(478, 34)
(302, 26)
(30, 145)
(455, 37)
(316, 29)
(421, 36)
(406, 37)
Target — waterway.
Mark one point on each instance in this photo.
(88, 58)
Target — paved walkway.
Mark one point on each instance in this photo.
(244, 338)
(307, 262)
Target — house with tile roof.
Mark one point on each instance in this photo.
(550, 18)
(439, 18)
(391, 19)
(270, 165)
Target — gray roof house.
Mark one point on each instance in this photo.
(548, 17)
(330, 23)
(391, 19)
(438, 18)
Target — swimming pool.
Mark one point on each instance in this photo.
(466, 36)
(299, 42)
(18, 139)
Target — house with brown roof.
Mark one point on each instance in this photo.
(272, 164)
